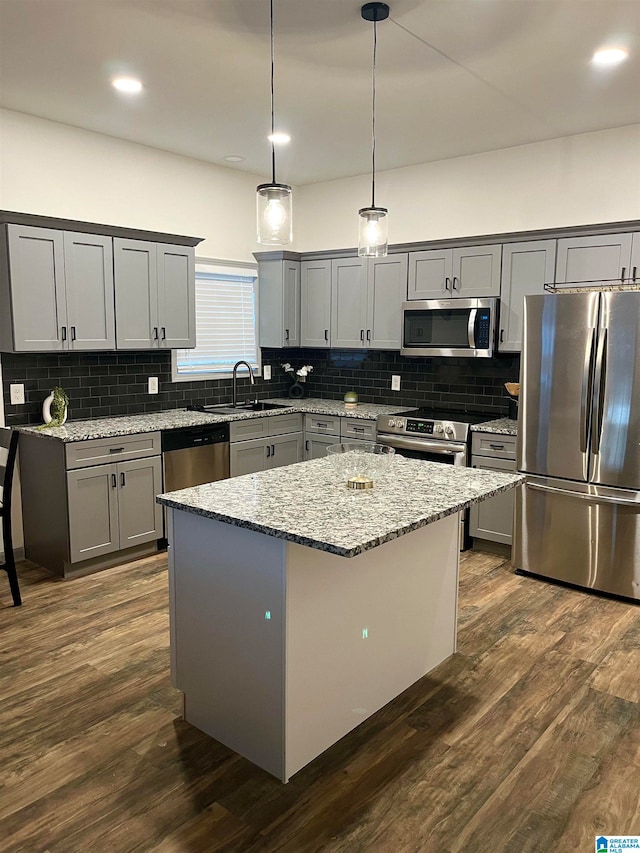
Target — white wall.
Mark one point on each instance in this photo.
(56, 170)
(577, 180)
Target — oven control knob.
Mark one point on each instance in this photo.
(392, 422)
(449, 432)
(438, 429)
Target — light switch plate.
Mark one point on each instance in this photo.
(153, 384)
(266, 371)
(16, 394)
(395, 383)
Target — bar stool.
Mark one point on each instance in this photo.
(8, 451)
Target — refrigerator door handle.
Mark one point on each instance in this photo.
(587, 379)
(598, 402)
(471, 328)
(583, 496)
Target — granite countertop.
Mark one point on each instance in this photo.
(309, 503)
(503, 426)
(180, 418)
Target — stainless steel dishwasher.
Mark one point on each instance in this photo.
(192, 456)
(195, 455)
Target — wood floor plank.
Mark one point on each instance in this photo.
(527, 739)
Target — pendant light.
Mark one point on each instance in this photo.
(373, 224)
(274, 199)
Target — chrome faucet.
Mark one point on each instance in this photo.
(235, 379)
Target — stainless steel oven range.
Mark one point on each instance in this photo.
(435, 436)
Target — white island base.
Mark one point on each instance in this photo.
(281, 649)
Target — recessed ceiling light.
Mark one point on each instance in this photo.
(279, 138)
(609, 55)
(129, 85)
(234, 158)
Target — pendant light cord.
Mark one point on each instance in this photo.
(373, 117)
(273, 145)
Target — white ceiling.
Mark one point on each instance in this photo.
(455, 77)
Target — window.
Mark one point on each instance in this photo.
(226, 315)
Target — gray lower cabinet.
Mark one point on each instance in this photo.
(57, 291)
(465, 272)
(263, 443)
(526, 268)
(321, 431)
(154, 295)
(315, 446)
(492, 519)
(279, 300)
(588, 260)
(104, 502)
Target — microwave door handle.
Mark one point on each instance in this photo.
(471, 328)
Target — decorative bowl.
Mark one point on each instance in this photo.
(360, 464)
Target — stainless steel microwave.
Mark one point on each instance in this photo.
(460, 327)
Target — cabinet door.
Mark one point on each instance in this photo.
(284, 450)
(634, 275)
(315, 304)
(291, 303)
(176, 296)
(430, 274)
(93, 512)
(583, 260)
(476, 271)
(248, 457)
(140, 517)
(315, 446)
(136, 286)
(493, 519)
(88, 263)
(386, 286)
(348, 303)
(36, 263)
(526, 268)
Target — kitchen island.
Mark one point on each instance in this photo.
(299, 607)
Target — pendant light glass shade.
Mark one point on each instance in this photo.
(274, 214)
(373, 240)
(273, 201)
(372, 232)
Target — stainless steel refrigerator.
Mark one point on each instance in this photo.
(578, 516)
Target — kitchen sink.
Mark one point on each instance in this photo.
(258, 406)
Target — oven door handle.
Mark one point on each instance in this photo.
(445, 448)
(471, 327)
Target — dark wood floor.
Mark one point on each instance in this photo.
(526, 740)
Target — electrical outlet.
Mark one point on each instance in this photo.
(153, 384)
(266, 371)
(395, 383)
(16, 394)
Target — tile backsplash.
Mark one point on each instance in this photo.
(103, 384)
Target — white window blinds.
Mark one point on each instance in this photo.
(225, 322)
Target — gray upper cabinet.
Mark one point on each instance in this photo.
(279, 289)
(635, 258)
(348, 303)
(588, 260)
(61, 291)
(465, 272)
(386, 286)
(88, 262)
(154, 295)
(526, 268)
(315, 304)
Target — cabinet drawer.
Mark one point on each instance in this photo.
(322, 425)
(282, 424)
(245, 430)
(357, 428)
(98, 451)
(493, 444)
